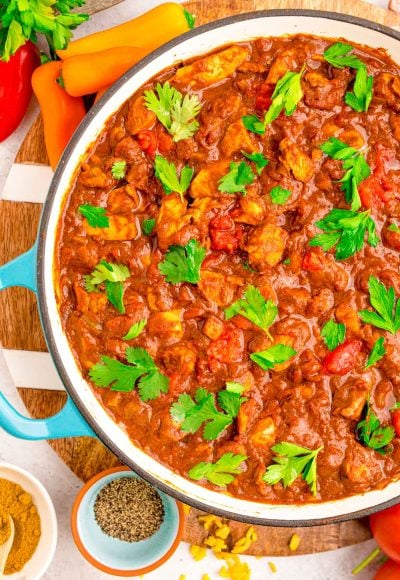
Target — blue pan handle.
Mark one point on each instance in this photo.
(68, 422)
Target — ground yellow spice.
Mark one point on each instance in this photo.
(17, 503)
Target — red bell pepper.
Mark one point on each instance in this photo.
(16, 88)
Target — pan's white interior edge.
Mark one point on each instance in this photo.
(209, 40)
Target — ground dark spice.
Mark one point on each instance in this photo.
(129, 509)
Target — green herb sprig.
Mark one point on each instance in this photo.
(333, 334)
(220, 473)
(279, 195)
(378, 351)
(239, 175)
(167, 173)
(371, 433)
(255, 308)
(135, 330)
(258, 159)
(112, 276)
(183, 263)
(118, 169)
(95, 216)
(272, 356)
(386, 306)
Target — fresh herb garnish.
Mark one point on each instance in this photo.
(255, 308)
(394, 228)
(378, 351)
(272, 356)
(239, 175)
(112, 276)
(338, 56)
(258, 159)
(135, 330)
(286, 262)
(346, 230)
(191, 414)
(182, 263)
(95, 215)
(190, 18)
(355, 165)
(167, 174)
(387, 315)
(21, 20)
(333, 334)
(176, 112)
(141, 370)
(279, 195)
(221, 472)
(371, 433)
(286, 96)
(118, 169)
(292, 461)
(148, 226)
(247, 267)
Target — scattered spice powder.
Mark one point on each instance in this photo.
(17, 503)
(129, 509)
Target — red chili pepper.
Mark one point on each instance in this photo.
(16, 88)
(224, 233)
(396, 421)
(344, 358)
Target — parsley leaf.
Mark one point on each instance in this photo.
(361, 97)
(221, 472)
(255, 308)
(387, 315)
(333, 334)
(135, 330)
(292, 461)
(279, 195)
(346, 230)
(238, 176)
(118, 169)
(276, 354)
(378, 351)
(193, 413)
(167, 174)
(112, 276)
(190, 18)
(338, 56)
(182, 263)
(258, 159)
(141, 370)
(148, 226)
(394, 228)
(355, 166)
(22, 19)
(175, 111)
(95, 216)
(371, 433)
(253, 124)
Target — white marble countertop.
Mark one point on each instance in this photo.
(40, 460)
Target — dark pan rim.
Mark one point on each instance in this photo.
(44, 315)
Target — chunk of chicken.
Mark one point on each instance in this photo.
(170, 219)
(323, 93)
(180, 358)
(139, 116)
(284, 62)
(121, 228)
(247, 414)
(238, 138)
(94, 302)
(294, 159)
(361, 466)
(263, 434)
(213, 327)
(387, 88)
(123, 199)
(266, 245)
(93, 176)
(211, 69)
(251, 211)
(219, 288)
(205, 184)
(350, 398)
(166, 324)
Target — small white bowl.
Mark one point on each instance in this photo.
(43, 555)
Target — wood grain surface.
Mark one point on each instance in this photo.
(20, 328)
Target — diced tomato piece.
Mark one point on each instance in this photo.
(225, 234)
(147, 141)
(263, 98)
(369, 190)
(164, 141)
(229, 347)
(396, 422)
(377, 185)
(313, 260)
(344, 358)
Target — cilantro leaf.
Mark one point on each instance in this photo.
(361, 97)
(378, 351)
(191, 414)
(333, 334)
(355, 166)
(346, 230)
(338, 56)
(135, 330)
(255, 308)
(115, 295)
(141, 371)
(95, 216)
(258, 159)
(371, 433)
(112, 276)
(238, 176)
(221, 472)
(167, 174)
(253, 124)
(118, 169)
(387, 315)
(183, 263)
(276, 354)
(292, 461)
(175, 111)
(279, 195)
(394, 228)
(148, 226)
(190, 18)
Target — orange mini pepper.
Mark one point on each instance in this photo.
(61, 113)
(151, 29)
(88, 73)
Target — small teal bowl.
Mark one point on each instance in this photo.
(116, 556)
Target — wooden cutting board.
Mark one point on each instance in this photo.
(20, 327)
